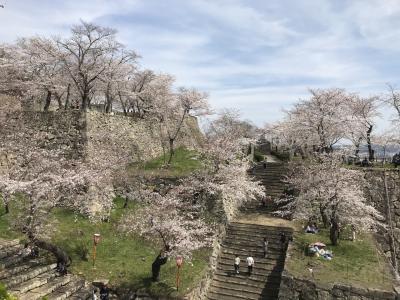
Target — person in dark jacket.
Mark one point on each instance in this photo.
(104, 292)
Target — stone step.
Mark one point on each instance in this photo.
(255, 278)
(31, 274)
(243, 252)
(257, 239)
(13, 260)
(7, 273)
(233, 234)
(259, 263)
(8, 243)
(267, 227)
(260, 273)
(82, 294)
(226, 294)
(9, 251)
(273, 252)
(33, 283)
(256, 233)
(67, 290)
(47, 288)
(233, 280)
(250, 291)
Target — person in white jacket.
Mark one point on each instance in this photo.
(236, 264)
(250, 264)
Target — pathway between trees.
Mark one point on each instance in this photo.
(245, 237)
(35, 278)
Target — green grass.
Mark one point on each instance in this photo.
(183, 163)
(6, 232)
(124, 260)
(358, 262)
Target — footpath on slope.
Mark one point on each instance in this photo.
(30, 278)
(245, 236)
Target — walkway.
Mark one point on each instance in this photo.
(245, 237)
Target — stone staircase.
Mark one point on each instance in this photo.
(244, 239)
(272, 179)
(32, 279)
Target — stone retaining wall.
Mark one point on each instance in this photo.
(293, 288)
(388, 206)
(85, 135)
(200, 292)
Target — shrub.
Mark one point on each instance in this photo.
(82, 250)
(4, 295)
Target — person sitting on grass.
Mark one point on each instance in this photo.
(312, 228)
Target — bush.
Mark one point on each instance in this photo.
(4, 295)
(258, 156)
(82, 250)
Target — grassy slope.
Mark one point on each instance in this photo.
(125, 260)
(183, 163)
(358, 263)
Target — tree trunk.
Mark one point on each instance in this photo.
(171, 150)
(156, 266)
(334, 231)
(324, 217)
(357, 145)
(126, 202)
(58, 97)
(67, 99)
(60, 254)
(108, 107)
(6, 208)
(370, 150)
(48, 100)
(85, 100)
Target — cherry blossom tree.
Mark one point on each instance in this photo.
(170, 220)
(390, 137)
(87, 55)
(393, 100)
(43, 179)
(321, 119)
(330, 192)
(174, 108)
(361, 121)
(226, 139)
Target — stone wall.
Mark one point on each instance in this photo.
(117, 136)
(87, 134)
(302, 289)
(66, 131)
(388, 204)
(201, 290)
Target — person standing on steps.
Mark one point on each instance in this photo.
(236, 264)
(250, 264)
(283, 240)
(265, 247)
(94, 294)
(104, 292)
(265, 163)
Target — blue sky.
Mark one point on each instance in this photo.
(259, 56)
